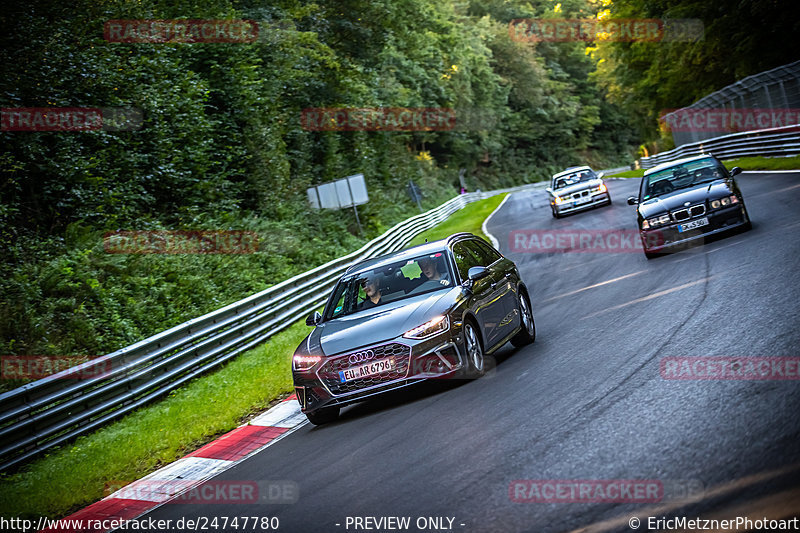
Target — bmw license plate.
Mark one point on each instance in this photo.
(585, 200)
(693, 224)
(366, 370)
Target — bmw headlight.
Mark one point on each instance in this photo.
(440, 324)
(724, 202)
(656, 221)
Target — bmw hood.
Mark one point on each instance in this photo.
(678, 199)
(379, 324)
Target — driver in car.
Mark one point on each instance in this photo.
(373, 292)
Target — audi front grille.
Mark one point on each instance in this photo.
(329, 371)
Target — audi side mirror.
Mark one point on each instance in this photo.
(313, 319)
(477, 272)
(735, 170)
(632, 200)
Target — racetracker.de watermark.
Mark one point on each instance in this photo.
(42, 366)
(378, 119)
(580, 240)
(180, 31)
(586, 491)
(712, 120)
(70, 119)
(611, 30)
(731, 368)
(604, 490)
(181, 242)
(187, 491)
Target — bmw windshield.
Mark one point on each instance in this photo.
(681, 177)
(576, 177)
(389, 283)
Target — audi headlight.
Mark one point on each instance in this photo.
(440, 324)
(656, 221)
(302, 363)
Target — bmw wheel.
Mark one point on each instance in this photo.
(651, 255)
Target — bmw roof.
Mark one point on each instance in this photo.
(571, 170)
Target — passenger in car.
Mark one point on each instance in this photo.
(430, 269)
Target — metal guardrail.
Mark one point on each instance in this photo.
(773, 90)
(52, 411)
(770, 142)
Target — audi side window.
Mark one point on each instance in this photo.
(465, 259)
(484, 259)
(489, 253)
(338, 307)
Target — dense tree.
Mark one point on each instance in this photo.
(740, 38)
(221, 145)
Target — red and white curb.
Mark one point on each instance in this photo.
(153, 490)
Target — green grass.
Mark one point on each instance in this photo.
(627, 174)
(765, 163)
(745, 163)
(467, 219)
(74, 476)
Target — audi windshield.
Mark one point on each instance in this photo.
(389, 283)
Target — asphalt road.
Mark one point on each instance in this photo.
(587, 400)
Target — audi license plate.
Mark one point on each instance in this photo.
(366, 370)
(693, 224)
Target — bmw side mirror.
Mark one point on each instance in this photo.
(735, 170)
(549, 189)
(632, 200)
(477, 272)
(313, 319)
(600, 175)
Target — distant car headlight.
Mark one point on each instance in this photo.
(440, 324)
(722, 202)
(656, 221)
(304, 362)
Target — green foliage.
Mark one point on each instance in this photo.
(221, 146)
(741, 38)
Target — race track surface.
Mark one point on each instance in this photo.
(586, 401)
